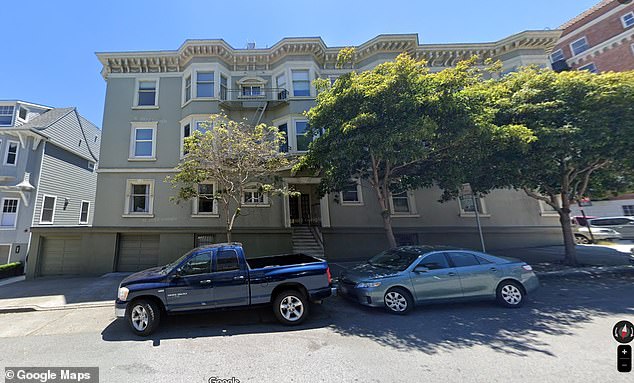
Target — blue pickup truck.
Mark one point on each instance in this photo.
(220, 276)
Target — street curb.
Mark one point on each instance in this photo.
(593, 270)
(71, 306)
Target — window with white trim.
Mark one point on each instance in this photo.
(468, 207)
(139, 197)
(6, 114)
(205, 203)
(83, 212)
(11, 155)
(224, 87)
(280, 83)
(9, 215)
(628, 210)
(253, 196)
(143, 141)
(23, 113)
(628, 20)
(283, 128)
(188, 88)
(204, 84)
(48, 209)
(303, 138)
(351, 193)
(147, 93)
(579, 46)
(590, 68)
(301, 82)
(402, 203)
(557, 55)
(252, 90)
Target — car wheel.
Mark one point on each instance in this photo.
(581, 240)
(143, 317)
(290, 307)
(510, 294)
(398, 301)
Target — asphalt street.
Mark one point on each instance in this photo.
(563, 334)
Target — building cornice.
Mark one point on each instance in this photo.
(263, 59)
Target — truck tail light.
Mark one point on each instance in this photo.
(328, 275)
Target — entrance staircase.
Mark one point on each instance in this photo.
(306, 240)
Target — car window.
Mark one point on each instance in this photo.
(434, 261)
(461, 259)
(198, 264)
(601, 222)
(621, 221)
(227, 260)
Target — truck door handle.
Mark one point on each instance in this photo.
(238, 277)
(451, 274)
(205, 282)
(493, 269)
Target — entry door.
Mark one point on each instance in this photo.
(193, 288)
(293, 205)
(231, 284)
(440, 281)
(305, 208)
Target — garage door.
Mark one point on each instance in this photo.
(138, 252)
(61, 256)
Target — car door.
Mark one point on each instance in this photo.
(624, 226)
(478, 276)
(191, 287)
(230, 279)
(437, 281)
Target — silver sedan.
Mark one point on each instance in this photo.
(400, 278)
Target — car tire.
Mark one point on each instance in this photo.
(581, 240)
(291, 307)
(510, 294)
(398, 301)
(143, 316)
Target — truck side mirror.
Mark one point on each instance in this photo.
(178, 273)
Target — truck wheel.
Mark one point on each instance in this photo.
(290, 307)
(143, 317)
(398, 301)
(510, 294)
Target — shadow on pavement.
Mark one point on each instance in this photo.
(557, 309)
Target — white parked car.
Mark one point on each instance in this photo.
(582, 234)
(624, 225)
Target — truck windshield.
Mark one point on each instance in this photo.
(170, 266)
(395, 259)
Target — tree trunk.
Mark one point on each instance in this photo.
(570, 257)
(229, 235)
(385, 215)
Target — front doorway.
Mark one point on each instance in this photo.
(304, 209)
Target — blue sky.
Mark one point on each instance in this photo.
(49, 45)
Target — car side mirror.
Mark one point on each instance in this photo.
(421, 269)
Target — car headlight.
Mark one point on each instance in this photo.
(365, 285)
(123, 293)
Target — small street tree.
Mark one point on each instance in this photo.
(392, 125)
(583, 125)
(234, 155)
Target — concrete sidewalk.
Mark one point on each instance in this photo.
(54, 293)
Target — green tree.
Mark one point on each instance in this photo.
(393, 125)
(583, 124)
(234, 155)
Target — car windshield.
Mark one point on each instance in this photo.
(395, 259)
(170, 266)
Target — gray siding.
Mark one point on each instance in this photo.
(68, 133)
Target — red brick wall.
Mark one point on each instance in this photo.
(617, 59)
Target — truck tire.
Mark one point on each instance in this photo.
(143, 316)
(290, 307)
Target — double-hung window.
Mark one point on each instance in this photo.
(188, 88)
(9, 212)
(283, 128)
(400, 203)
(204, 84)
(11, 156)
(223, 87)
(205, 203)
(140, 194)
(83, 212)
(146, 93)
(48, 209)
(591, 67)
(579, 46)
(23, 113)
(6, 115)
(143, 141)
(351, 193)
(557, 55)
(280, 81)
(468, 205)
(253, 197)
(628, 20)
(302, 136)
(301, 82)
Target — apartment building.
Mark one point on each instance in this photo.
(47, 176)
(154, 100)
(600, 39)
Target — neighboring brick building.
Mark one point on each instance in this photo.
(600, 39)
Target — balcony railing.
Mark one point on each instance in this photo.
(252, 93)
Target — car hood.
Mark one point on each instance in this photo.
(366, 272)
(149, 275)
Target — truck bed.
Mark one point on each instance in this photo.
(281, 260)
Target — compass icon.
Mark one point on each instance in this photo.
(623, 332)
